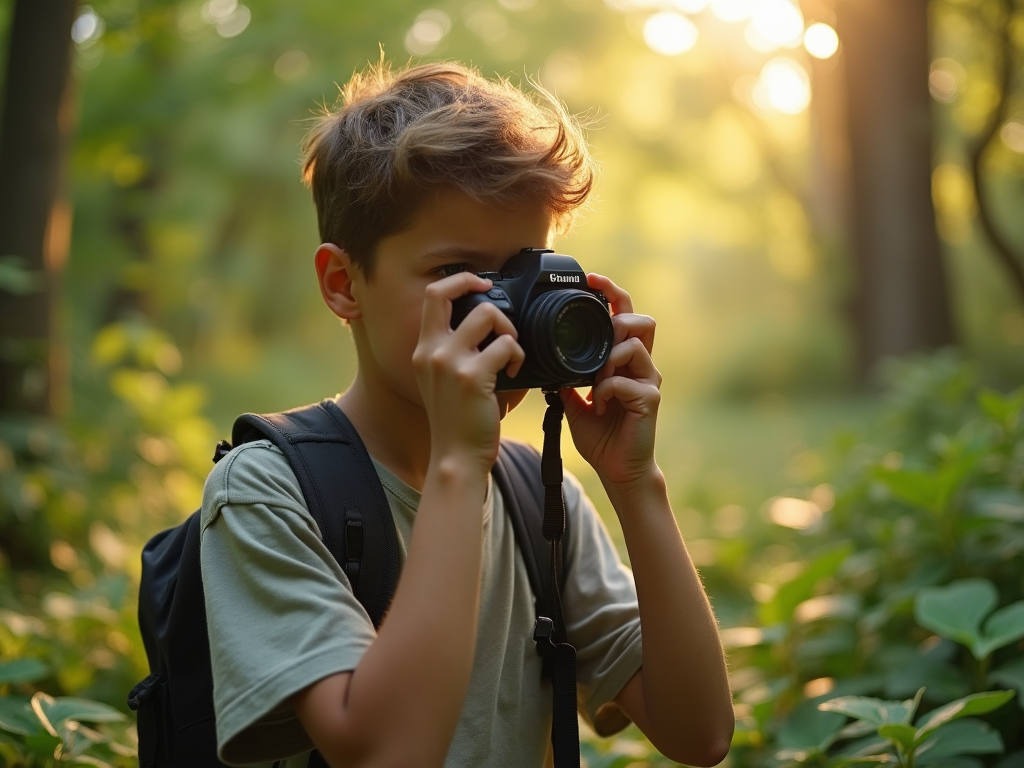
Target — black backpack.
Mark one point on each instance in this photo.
(344, 495)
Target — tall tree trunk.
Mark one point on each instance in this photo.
(902, 302)
(34, 220)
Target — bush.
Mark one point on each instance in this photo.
(909, 589)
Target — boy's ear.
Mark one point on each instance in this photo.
(335, 272)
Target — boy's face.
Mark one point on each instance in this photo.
(451, 232)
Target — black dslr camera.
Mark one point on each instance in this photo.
(565, 327)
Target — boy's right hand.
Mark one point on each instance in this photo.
(457, 379)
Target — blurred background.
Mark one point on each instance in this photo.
(821, 202)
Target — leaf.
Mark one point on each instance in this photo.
(16, 716)
(875, 711)
(808, 728)
(59, 711)
(843, 761)
(801, 588)
(943, 680)
(998, 503)
(22, 671)
(1004, 409)
(955, 611)
(919, 489)
(1011, 675)
(1002, 628)
(16, 279)
(966, 737)
(899, 733)
(975, 704)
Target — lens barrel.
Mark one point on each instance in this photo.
(569, 333)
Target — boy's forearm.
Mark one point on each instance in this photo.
(407, 692)
(685, 685)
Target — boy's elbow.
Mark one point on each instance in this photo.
(704, 750)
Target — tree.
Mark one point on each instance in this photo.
(902, 302)
(34, 220)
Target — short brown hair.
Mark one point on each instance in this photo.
(397, 135)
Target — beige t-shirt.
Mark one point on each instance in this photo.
(282, 615)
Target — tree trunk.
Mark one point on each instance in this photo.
(34, 220)
(902, 302)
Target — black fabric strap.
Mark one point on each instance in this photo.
(549, 631)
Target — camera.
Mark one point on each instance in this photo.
(564, 326)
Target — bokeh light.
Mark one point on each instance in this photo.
(783, 86)
(88, 26)
(731, 10)
(427, 31)
(690, 6)
(821, 41)
(229, 17)
(670, 34)
(779, 22)
(291, 65)
(944, 79)
(1012, 134)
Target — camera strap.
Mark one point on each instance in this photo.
(549, 631)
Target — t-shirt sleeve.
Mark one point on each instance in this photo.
(280, 611)
(601, 611)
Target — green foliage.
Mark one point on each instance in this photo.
(933, 739)
(911, 583)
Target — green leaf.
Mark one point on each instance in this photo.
(808, 728)
(843, 762)
(22, 671)
(1011, 675)
(16, 716)
(966, 737)
(956, 611)
(16, 279)
(1002, 628)
(999, 504)
(975, 704)
(59, 711)
(919, 489)
(780, 609)
(875, 711)
(899, 733)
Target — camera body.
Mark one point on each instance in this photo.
(564, 326)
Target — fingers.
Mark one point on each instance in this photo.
(626, 323)
(630, 357)
(481, 321)
(630, 326)
(635, 396)
(619, 300)
(437, 302)
(503, 353)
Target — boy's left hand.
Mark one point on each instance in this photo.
(614, 427)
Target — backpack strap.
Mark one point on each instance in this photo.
(518, 475)
(342, 491)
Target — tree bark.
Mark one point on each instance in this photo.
(902, 301)
(34, 221)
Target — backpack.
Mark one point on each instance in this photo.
(343, 493)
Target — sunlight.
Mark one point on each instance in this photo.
(670, 34)
(690, 6)
(793, 513)
(778, 21)
(427, 31)
(783, 86)
(1012, 135)
(731, 10)
(88, 27)
(821, 41)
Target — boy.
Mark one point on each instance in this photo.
(422, 179)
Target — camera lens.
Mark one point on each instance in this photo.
(569, 334)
